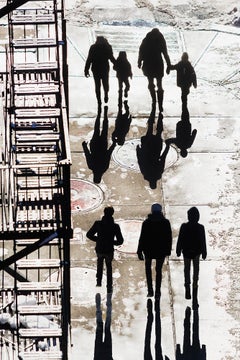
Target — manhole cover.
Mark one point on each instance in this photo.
(126, 155)
(85, 196)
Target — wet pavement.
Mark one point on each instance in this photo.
(207, 178)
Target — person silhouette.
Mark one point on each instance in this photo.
(124, 72)
(107, 234)
(185, 136)
(158, 332)
(98, 155)
(103, 347)
(150, 59)
(192, 243)
(186, 77)
(150, 157)
(98, 58)
(122, 125)
(191, 350)
(155, 242)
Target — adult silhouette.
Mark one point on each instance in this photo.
(150, 59)
(107, 234)
(103, 338)
(155, 242)
(98, 155)
(158, 332)
(192, 243)
(122, 124)
(98, 59)
(150, 157)
(185, 136)
(191, 349)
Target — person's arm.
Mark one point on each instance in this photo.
(169, 239)
(88, 63)
(88, 155)
(179, 241)
(166, 56)
(140, 243)
(204, 246)
(118, 235)
(91, 234)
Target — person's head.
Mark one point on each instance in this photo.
(193, 214)
(108, 211)
(101, 40)
(156, 208)
(183, 153)
(122, 55)
(185, 56)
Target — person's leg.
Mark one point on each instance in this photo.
(120, 92)
(185, 92)
(159, 265)
(148, 270)
(195, 281)
(99, 275)
(160, 93)
(127, 87)
(151, 88)
(97, 81)
(105, 82)
(108, 260)
(187, 280)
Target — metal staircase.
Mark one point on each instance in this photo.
(35, 216)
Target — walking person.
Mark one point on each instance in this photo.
(124, 72)
(155, 242)
(192, 244)
(98, 58)
(186, 77)
(150, 60)
(107, 234)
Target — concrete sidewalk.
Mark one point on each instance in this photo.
(208, 178)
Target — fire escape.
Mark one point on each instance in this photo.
(35, 214)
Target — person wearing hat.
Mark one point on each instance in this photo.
(155, 242)
(107, 234)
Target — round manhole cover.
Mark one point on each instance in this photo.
(131, 230)
(126, 155)
(85, 196)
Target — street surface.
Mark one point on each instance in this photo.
(207, 178)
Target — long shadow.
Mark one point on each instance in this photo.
(103, 338)
(150, 157)
(191, 350)
(185, 136)
(98, 155)
(158, 332)
(122, 124)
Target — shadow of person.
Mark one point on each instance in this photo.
(122, 125)
(150, 157)
(184, 134)
(191, 350)
(98, 155)
(158, 331)
(103, 347)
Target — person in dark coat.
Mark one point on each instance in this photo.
(124, 72)
(107, 234)
(98, 58)
(155, 242)
(186, 77)
(150, 59)
(192, 244)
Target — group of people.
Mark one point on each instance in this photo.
(150, 59)
(155, 243)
